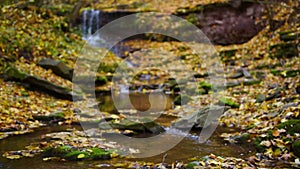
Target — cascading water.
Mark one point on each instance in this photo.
(91, 22)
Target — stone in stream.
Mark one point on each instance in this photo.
(58, 68)
(136, 125)
(198, 119)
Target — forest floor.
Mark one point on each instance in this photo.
(262, 77)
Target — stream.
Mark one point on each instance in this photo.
(186, 149)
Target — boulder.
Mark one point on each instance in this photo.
(58, 67)
(12, 73)
(198, 119)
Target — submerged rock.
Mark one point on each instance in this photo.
(136, 125)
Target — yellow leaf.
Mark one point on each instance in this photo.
(80, 156)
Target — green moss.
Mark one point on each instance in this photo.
(100, 80)
(191, 165)
(251, 82)
(229, 102)
(56, 151)
(258, 146)
(296, 148)
(291, 126)
(98, 153)
(69, 153)
(286, 73)
(73, 155)
(13, 73)
(284, 50)
(56, 116)
(242, 138)
(107, 68)
(204, 87)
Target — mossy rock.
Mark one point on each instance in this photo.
(73, 154)
(57, 117)
(101, 80)
(58, 67)
(286, 73)
(228, 102)
(260, 98)
(296, 148)
(227, 55)
(204, 87)
(291, 126)
(12, 73)
(251, 82)
(289, 35)
(182, 99)
(284, 50)
(108, 67)
(192, 165)
(56, 152)
(241, 139)
(260, 148)
(138, 126)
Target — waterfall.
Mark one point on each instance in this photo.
(91, 22)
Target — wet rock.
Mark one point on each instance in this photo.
(182, 99)
(241, 139)
(246, 73)
(58, 67)
(248, 82)
(275, 94)
(136, 125)
(12, 73)
(237, 74)
(199, 118)
(52, 118)
(260, 98)
(71, 153)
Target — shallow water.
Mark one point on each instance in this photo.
(186, 149)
